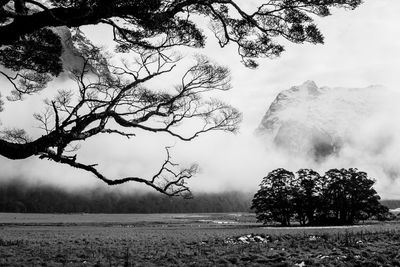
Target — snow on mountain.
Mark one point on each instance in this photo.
(71, 57)
(317, 121)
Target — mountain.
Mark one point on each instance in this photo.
(71, 57)
(317, 122)
(75, 48)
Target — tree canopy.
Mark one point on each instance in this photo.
(113, 97)
(342, 196)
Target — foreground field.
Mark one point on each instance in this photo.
(188, 240)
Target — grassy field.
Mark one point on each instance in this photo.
(188, 240)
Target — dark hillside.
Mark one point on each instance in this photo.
(18, 197)
(391, 204)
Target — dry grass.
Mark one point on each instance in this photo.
(188, 241)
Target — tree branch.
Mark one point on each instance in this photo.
(175, 186)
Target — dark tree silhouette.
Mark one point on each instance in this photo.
(306, 195)
(350, 197)
(113, 98)
(135, 21)
(342, 196)
(274, 200)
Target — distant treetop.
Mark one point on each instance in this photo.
(340, 197)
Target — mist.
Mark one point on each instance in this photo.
(359, 51)
(228, 162)
(17, 196)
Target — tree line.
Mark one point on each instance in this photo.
(391, 203)
(339, 197)
(16, 196)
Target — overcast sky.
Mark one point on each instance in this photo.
(362, 48)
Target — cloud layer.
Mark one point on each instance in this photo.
(361, 49)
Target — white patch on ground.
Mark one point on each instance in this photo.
(247, 239)
(218, 222)
(301, 264)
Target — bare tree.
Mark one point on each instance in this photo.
(113, 98)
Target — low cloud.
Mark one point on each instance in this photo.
(354, 55)
(365, 126)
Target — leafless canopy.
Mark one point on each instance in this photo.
(114, 100)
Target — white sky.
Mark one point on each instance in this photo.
(362, 47)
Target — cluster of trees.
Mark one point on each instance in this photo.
(339, 197)
(114, 96)
(19, 197)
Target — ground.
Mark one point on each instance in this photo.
(188, 240)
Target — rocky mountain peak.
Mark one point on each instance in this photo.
(314, 121)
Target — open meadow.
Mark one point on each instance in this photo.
(188, 240)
